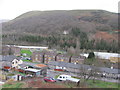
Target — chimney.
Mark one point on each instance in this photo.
(56, 56)
(70, 59)
(43, 61)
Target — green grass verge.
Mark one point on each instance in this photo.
(101, 84)
(10, 74)
(27, 60)
(31, 61)
(56, 76)
(14, 85)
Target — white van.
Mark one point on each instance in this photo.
(63, 77)
(67, 78)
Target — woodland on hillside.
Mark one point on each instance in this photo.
(76, 39)
(87, 30)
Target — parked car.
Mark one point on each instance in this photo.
(49, 79)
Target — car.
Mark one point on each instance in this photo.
(67, 78)
(63, 77)
(49, 79)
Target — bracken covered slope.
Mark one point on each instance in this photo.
(51, 22)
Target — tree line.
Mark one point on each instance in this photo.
(76, 38)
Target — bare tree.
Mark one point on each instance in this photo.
(85, 73)
(77, 50)
(92, 72)
(71, 50)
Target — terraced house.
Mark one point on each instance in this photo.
(46, 57)
(10, 50)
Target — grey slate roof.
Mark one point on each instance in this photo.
(27, 64)
(78, 66)
(8, 58)
(4, 63)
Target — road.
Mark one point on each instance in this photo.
(52, 73)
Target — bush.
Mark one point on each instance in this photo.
(11, 74)
(91, 55)
(9, 81)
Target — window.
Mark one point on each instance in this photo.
(52, 78)
(47, 78)
(60, 77)
(64, 67)
(12, 62)
(14, 78)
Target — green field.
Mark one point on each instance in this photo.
(28, 52)
(101, 84)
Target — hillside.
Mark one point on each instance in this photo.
(60, 28)
(48, 22)
(105, 36)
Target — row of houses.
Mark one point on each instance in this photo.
(45, 57)
(10, 50)
(80, 68)
(15, 50)
(53, 55)
(42, 56)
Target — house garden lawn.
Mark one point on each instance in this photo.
(28, 52)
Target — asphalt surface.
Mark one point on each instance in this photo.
(52, 73)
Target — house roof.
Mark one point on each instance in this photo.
(4, 63)
(33, 47)
(78, 66)
(8, 58)
(33, 65)
(41, 65)
(103, 55)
